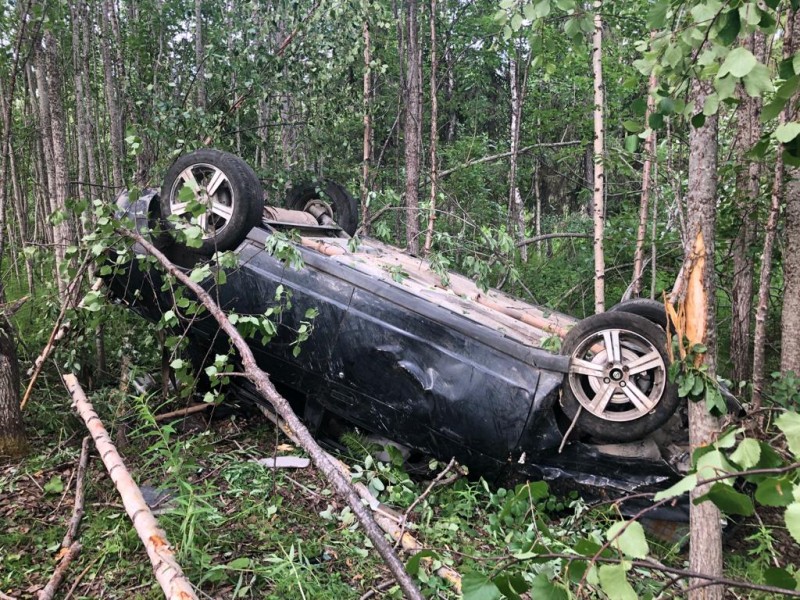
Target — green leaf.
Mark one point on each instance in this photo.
(775, 491)
(629, 538)
(725, 87)
(412, 566)
(711, 105)
(511, 585)
(698, 120)
(796, 63)
(792, 516)
(542, 9)
(475, 586)
(657, 15)
(713, 464)
(772, 110)
(758, 81)
(739, 62)
(614, 581)
(54, 486)
(631, 143)
(656, 121)
(177, 363)
(684, 485)
(747, 454)
(730, 30)
(785, 134)
(239, 563)
(633, 126)
(704, 12)
(789, 422)
(780, 578)
(545, 589)
(565, 5)
(516, 22)
(728, 500)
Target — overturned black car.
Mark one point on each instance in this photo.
(429, 361)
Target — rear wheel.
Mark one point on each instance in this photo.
(617, 377)
(220, 191)
(343, 206)
(651, 310)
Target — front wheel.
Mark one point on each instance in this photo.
(617, 377)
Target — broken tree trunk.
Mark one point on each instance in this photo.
(261, 381)
(168, 572)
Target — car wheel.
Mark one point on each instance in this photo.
(652, 310)
(228, 188)
(617, 377)
(341, 203)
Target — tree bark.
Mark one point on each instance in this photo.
(434, 137)
(599, 171)
(111, 88)
(63, 233)
(516, 211)
(790, 315)
(368, 133)
(12, 432)
(748, 191)
(199, 55)
(644, 205)
(412, 125)
(705, 551)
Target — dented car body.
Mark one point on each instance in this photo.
(431, 361)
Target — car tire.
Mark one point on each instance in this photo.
(617, 377)
(342, 204)
(227, 185)
(652, 310)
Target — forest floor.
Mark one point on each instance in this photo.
(241, 530)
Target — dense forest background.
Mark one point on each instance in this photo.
(566, 152)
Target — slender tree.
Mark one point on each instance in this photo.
(598, 195)
(413, 124)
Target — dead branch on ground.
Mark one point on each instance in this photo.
(261, 381)
(77, 508)
(167, 570)
(182, 412)
(58, 575)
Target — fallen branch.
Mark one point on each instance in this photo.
(59, 331)
(58, 575)
(384, 517)
(550, 236)
(183, 412)
(168, 572)
(422, 496)
(502, 155)
(261, 381)
(6, 597)
(77, 508)
(533, 321)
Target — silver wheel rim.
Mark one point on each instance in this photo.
(211, 188)
(617, 375)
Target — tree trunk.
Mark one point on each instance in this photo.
(413, 125)
(644, 206)
(705, 551)
(598, 208)
(434, 136)
(63, 234)
(199, 55)
(368, 134)
(748, 192)
(790, 315)
(111, 88)
(516, 212)
(12, 433)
